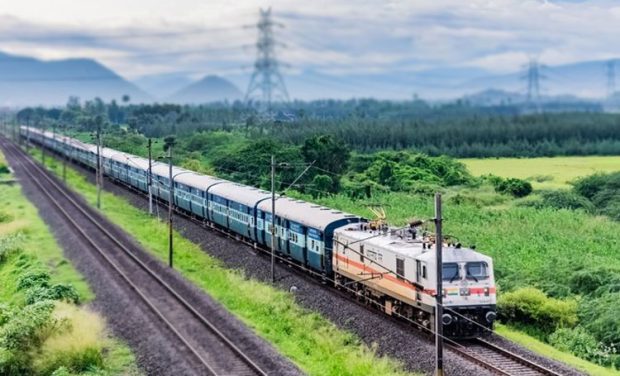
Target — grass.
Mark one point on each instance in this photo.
(544, 173)
(316, 345)
(40, 252)
(553, 353)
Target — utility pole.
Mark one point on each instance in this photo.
(98, 164)
(439, 293)
(266, 77)
(273, 218)
(150, 177)
(43, 147)
(169, 144)
(64, 155)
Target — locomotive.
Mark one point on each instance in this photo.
(392, 268)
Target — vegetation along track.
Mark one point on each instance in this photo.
(212, 349)
(499, 360)
(480, 352)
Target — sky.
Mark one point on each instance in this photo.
(335, 37)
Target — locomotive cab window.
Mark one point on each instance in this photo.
(476, 270)
(450, 271)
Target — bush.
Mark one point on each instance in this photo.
(77, 345)
(579, 342)
(33, 279)
(513, 186)
(62, 292)
(600, 317)
(532, 307)
(5, 217)
(565, 200)
(4, 169)
(594, 281)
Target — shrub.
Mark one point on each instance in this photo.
(5, 217)
(600, 317)
(9, 244)
(594, 281)
(33, 279)
(62, 292)
(4, 169)
(565, 200)
(589, 186)
(513, 186)
(532, 307)
(579, 342)
(78, 345)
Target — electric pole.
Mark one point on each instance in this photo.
(64, 155)
(150, 176)
(266, 78)
(98, 164)
(439, 293)
(168, 146)
(273, 218)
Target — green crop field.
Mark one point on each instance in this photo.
(546, 173)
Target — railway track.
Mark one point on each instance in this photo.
(209, 347)
(498, 360)
(479, 351)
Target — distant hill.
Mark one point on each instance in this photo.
(209, 89)
(27, 81)
(164, 85)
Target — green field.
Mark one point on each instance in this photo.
(545, 173)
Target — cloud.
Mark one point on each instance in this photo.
(332, 36)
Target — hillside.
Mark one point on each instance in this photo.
(209, 89)
(29, 81)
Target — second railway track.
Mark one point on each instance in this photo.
(499, 360)
(215, 352)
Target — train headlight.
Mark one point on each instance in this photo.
(446, 319)
(490, 316)
(486, 291)
(464, 291)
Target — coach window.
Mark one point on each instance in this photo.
(362, 253)
(424, 272)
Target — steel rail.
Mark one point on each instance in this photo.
(20, 154)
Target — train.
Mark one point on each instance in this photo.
(393, 269)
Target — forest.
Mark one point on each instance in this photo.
(456, 129)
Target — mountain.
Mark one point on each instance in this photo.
(27, 81)
(163, 85)
(209, 89)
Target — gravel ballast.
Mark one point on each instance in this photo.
(157, 350)
(390, 338)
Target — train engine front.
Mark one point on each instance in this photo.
(469, 292)
(397, 268)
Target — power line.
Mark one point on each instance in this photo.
(266, 78)
(533, 76)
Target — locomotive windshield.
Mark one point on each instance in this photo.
(450, 271)
(477, 270)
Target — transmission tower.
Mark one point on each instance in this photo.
(266, 84)
(611, 78)
(533, 81)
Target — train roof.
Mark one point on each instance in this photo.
(198, 181)
(394, 242)
(243, 194)
(306, 213)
